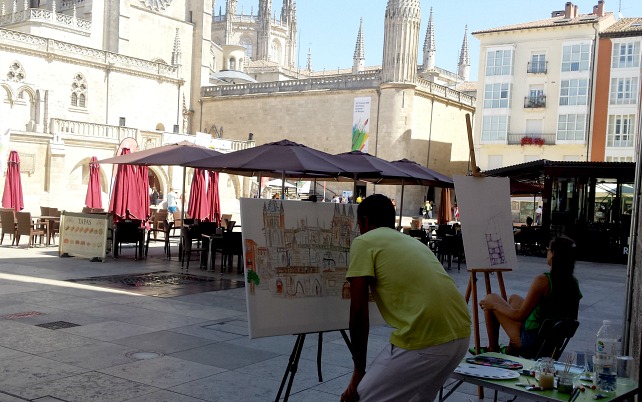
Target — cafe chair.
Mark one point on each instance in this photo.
(158, 226)
(129, 231)
(54, 225)
(232, 245)
(450, 247)
(194, 242)
(8, 224)
(552, 338)
(27, 227)
(419, 234)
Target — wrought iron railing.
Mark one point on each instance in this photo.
(532, 102)
(518, 139)
(537, 68)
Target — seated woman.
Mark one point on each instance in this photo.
(554, 294)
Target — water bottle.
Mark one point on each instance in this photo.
(605, 360)
(606, 344)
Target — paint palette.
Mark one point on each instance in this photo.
(491, 373)
(495, 362)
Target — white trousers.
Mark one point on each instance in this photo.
(402, 375)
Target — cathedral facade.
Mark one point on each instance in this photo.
(80, 77)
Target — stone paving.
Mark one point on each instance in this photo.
(67, 341)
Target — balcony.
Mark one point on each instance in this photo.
(531, 139)
(537, 68)
(535, 102)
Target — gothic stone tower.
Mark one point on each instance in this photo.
(399, 73)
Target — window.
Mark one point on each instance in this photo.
(574, 92)
(626, 55)
(619, 159)
(494, 128)
(571, 127)
(576, 57)
(498, 62)
(79, 91)
(249, 48)
(624, 91)
(620, 131)
(275, 52)
(538, 64)
(496, 96)
(232, 65)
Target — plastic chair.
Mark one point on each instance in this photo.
(193, 234)
(552, 338)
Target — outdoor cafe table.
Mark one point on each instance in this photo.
(47, 222)
(624, 390)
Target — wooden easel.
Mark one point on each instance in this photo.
(472, 283)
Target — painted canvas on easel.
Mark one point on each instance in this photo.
(486, 222)
(296, 257)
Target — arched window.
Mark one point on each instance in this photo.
(275, 52)
(249, 47)
(79, 91)
(232, 63)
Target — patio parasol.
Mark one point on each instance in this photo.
(171, 155)
(213, 198)
(198, 207)
(279, 157)
(12, 195)
(93, 198)
(384, 172)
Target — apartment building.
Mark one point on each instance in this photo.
(563, 88)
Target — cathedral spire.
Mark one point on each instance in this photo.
(176, 52)
(359, 58)
(463, 68)
(308, 65)
(401, 41)
(230, 8)
(429, 45)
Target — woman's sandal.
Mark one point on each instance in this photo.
(482, 349)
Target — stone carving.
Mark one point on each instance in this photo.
(156, 5)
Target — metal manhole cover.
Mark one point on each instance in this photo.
(144, 355)
(25, 314)
(163, 283)
(58, 325)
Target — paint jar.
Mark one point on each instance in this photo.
(565, 382)
(546, 373)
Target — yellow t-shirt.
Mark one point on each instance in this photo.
(412, 290)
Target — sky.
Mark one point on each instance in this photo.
(329, 27)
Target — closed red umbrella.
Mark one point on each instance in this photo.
(198, 207)
(213, 198)
(12, 195)
(444, 214)
(125, 197)
(93, 199)
(142, 191)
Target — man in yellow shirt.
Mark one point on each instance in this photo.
(415, 296)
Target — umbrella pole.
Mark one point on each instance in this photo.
(182, 214)
(401, 203)
(283, 185)
(259, 194)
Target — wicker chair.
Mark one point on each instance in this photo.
(27, 227)
(8, 224)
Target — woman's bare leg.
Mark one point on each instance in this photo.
(495, 319)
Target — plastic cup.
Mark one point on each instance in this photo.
(625, 370)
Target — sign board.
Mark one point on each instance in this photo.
(486, 222)
(296, 257)
(83, 235)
